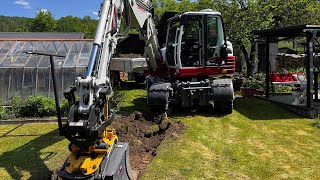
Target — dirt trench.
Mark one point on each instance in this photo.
(144, 133)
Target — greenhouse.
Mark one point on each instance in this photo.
(23, 74)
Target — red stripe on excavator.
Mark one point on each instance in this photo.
(140, 8)
(206, 71)
(114, 16)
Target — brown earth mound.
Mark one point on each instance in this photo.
(144, 134)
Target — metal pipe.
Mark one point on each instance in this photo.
(53, 73)
(56, 96)
(104, 12)
(92, 60)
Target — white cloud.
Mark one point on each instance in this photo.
(95, 13)
(44, 10)
(24, 3)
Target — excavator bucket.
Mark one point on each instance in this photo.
(115, 166)
(118, 166)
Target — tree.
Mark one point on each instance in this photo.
(89, 26)
(243, 16)
(69, 24)
(43, 22)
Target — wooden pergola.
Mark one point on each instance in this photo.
(311, 32)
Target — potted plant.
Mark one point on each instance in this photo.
(247, 89)
(259, 83)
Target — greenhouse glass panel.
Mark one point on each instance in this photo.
(57, 44)
(65, 48)
(73, 55)
(16, 82)
(4, 80)
(45, 61)
(22, 57)
(10, 59)
(50, 90)
(80, 71)
(68, 78)
(2, 43)
(85, 54)
(43, 80)
(5, 49)
(29, 82)
(34, 59)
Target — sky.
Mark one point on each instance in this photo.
(59, 8)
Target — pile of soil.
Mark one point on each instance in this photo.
(144, 133)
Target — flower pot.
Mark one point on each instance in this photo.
(260, 92)
(247, 92)
(237, 83)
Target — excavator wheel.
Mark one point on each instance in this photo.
(223, 107)
(157, 109)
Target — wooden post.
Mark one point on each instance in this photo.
(309, 70)
(267, 67)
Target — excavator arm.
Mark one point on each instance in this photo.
(95, 150)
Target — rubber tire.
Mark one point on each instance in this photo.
(157, 109)
(139, 78)
(223, 107)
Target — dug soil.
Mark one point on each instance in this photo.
(144, 133)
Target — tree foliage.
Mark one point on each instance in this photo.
(241, 17)
(43, 22)
(17, 24)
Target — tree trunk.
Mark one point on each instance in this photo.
(249, 57)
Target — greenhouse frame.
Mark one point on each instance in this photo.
(25, 75)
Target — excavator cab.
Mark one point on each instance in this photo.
(196, 39)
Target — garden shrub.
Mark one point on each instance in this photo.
(3, 112)
(37, 106)
(64, 107)
(41, 106)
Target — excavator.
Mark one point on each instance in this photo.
(189, 70)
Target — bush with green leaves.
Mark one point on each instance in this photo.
(3, 112)
(257, 81)
(37, 106)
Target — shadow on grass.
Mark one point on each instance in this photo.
(129, 85)
(27, 157)
(316, 124)
(6, 134)
(139, 104)
(207, 111)
(257, 109)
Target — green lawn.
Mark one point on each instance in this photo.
(258, 141)
(30, 151)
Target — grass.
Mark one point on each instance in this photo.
(258, 141)
(33, 151)
(133, 100)
(30, 151)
